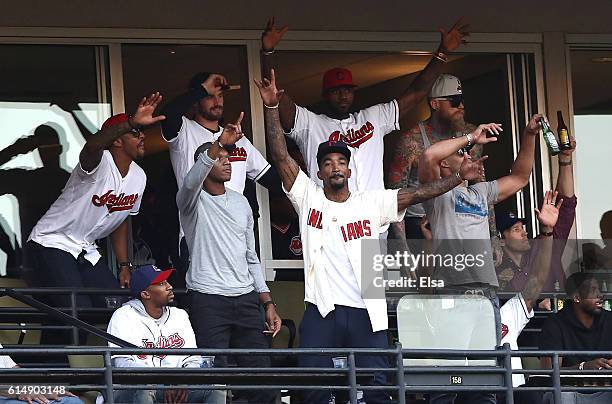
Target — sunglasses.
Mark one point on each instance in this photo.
(454, 100)
(136, 132)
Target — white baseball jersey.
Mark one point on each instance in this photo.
(514, 317)
(172, 330)
(247, 161)
(92, 205)
(362, 131)
(6, 362)
(332, 238)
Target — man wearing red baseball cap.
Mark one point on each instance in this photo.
(363, 130)
(103, 190)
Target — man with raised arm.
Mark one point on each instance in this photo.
(226, 284)
(361, 131)
(459, 219)
(102, 191)
(334, 223)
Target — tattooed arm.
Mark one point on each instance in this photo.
(412, 196)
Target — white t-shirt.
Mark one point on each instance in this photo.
(247, 161)
(362, 131)
(332, 238)
(514, 317)
(6, 362)
(91, 206)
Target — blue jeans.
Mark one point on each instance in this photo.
(157, 396)
(63, 400)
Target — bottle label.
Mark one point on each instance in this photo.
(564, 136)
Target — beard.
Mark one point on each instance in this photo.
(457, 122)
(213, 114)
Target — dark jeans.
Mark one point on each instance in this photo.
(232, 322)
(344, 327)
(157, 396)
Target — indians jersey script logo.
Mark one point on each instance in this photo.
(172, 341)
(115, 202)
(237, 154)
(354, 138)
(350, 231)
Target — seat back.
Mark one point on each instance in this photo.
(14, 337)
(446, 322)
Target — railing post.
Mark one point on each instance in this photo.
(556, 378)
(108, 378)
(352, 378)
(401, 378)
(508, 374)
(73, 311)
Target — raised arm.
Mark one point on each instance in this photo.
(91, 154)
(287, 167)
(270, 37)
(565, 180)
(540, 266)
(177, 107)
(429, 163)
(522, 166)
(468, 171)
(419, 88)
(22, 145)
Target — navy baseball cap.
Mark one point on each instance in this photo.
(332, 146)
(145, 276)
(506, 220)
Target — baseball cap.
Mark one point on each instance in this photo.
(147, 275)
(332, 146)
(506, 220)
(445, 86)
(337, 77)
(115, 119)
(197, 79)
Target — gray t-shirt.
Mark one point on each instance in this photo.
(460, 224)
(219, 233)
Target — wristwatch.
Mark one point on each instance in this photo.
(269, 302)
(126, 264)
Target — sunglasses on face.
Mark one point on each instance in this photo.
(136, 133)
(454, 100)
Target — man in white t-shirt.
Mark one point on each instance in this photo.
(185, 135)
(103, 190)
(362, 131)
(335, 225)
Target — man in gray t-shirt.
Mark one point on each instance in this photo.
(460, 228)
(225, 280)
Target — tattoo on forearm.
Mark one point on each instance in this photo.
(411, 196)
(287, 168)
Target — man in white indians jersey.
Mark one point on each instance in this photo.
(185, 135)
(333, 223)
(148, 322)
(362, 131)
(103, 190)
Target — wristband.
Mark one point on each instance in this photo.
(546, 233)
(565, 163)
(269, 302)
(273, 106)
(267, 53)
(468, 136)
(441, 56)
(126, 264)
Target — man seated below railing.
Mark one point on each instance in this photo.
(582, 325)
(148, 322)
(33, 394)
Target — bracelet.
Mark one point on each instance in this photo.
(273, 106)
(441, 56)
(267, 53)
(565, 163)
(126, 264)
(546, 233)
(468, 136)
(581, 366)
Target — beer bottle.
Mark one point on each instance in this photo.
(549, 137)
(564, 138)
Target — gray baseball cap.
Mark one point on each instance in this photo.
(445, 86)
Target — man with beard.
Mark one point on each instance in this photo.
(342, 309)
(581, 326)
(185, 135)
(446, 121)
(102, 191)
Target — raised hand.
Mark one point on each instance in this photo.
(271, 35)
(454, 37)
(479, 136)
(549, 212)
(472, 170)
(270, 95)
(534, 127)
(215, 84)
(569, 152)
(232, 132)
(144, 112)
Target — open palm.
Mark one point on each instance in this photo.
(144, 112)
(548, 214)
(454, 37)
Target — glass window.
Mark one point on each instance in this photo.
(51, 98)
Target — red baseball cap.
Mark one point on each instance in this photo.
(115, 119)
(337, 77)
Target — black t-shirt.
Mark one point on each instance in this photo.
(563, 331)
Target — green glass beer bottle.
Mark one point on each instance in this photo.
(549, 137)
